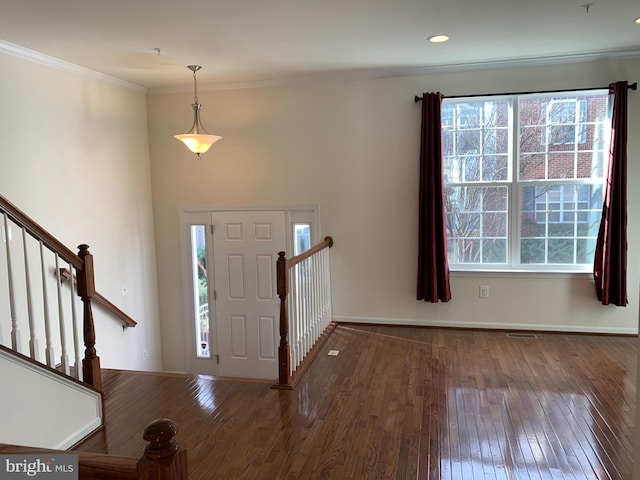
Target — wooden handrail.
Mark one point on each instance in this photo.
(83, 264)
(327, 242)
(163, 458)
(126, 320)
(20, 218)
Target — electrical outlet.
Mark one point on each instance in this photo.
(484, 291)
(125, 289)
(145, 354)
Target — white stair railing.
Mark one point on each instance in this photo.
(29, 307)
(304, 288)
(28, 301)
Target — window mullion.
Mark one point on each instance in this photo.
(514, 186)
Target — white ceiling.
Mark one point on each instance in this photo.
(253, 41)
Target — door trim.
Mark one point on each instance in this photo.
(309, 213)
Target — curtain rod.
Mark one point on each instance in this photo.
(632, 86)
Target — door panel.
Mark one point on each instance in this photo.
(245, 245)
(267, 339)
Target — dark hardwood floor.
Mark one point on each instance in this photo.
(401, 403)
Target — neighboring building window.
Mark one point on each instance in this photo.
(566, 119)
(524, 179)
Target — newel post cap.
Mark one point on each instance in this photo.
(160, 435)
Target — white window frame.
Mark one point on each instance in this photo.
(514, 186)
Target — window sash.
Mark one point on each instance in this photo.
(564, 213)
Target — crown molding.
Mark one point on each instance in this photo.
(521, 62)
(29, 55)
(406, 71)
(319, 77)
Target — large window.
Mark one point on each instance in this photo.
(524, 179)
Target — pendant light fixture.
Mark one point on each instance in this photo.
(197, 139)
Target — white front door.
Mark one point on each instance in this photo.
(245, 249)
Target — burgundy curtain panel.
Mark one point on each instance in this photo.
(610, 263)
(433, 266)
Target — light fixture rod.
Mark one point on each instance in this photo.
(198, 140)
(194, 69)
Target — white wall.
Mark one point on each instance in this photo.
(352, 147)
(61, 418)
(74, 156)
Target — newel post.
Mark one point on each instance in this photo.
(86, 290)
(284, 355)
(163, 458)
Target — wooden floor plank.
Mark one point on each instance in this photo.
(401, 403)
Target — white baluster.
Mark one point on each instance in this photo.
(64, 357)
(295, 320)
(312, 306)
(323, 290)
(77, 345)
(303, 320)
(33, 341)
(321, 294)
(327, 286)
(307, 306)
(15, 332)
(316, 293)
(299, 314)
(48, 350)
(303, 311)
(291, 305)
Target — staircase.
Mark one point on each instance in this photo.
(48, 361)
(43, 320)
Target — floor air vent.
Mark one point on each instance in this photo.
(522, 335)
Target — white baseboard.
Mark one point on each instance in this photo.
(48, 410)
(490, 326)
(78, 435)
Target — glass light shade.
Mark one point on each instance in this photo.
(197, 139)
(198, 143)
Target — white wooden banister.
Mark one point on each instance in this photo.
(33, 340)
(64, 356)
(75, 328)
(49, 354)
(304, 289)
(15, 332)
(29, 306)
